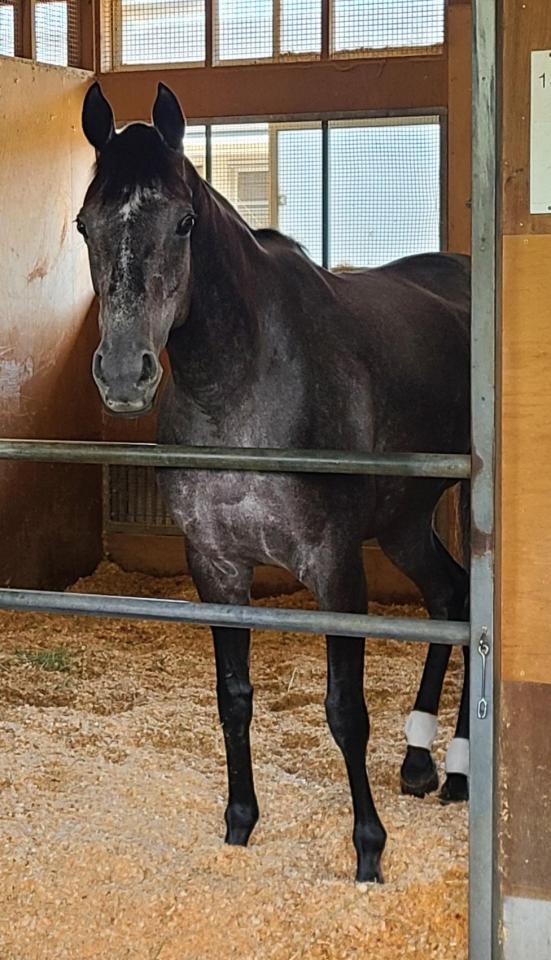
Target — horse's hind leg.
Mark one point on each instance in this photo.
(347, 716)
(416, 549)
(227, 583)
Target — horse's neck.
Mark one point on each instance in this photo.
(218, 346)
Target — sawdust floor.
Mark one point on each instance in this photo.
(112, 783)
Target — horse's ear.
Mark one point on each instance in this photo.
(168, 118)
(97, 118)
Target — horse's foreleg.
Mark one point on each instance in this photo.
(349, 723)
(235, 706)
(343, 588)
(226, 582)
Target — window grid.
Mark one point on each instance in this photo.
(371, 28)
(10, 22)
(57, 32)
(147, 32)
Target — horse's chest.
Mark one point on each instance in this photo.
(230, 513)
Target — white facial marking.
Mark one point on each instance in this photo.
(135, 200)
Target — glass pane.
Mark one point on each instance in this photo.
(300, 27)
(50, 26)
(375, 24)
(244, 29)
(7, 30)
(384, 190)
(299, 187)
(241, 152)
(196, 148)
(162, 31)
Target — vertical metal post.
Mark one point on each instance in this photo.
(276, 29)
(325, 179)
(208, 152)
(326, 6)
(209, 32)
(482, 886)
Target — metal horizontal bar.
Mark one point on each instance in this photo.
(225, 615)
(445, 465)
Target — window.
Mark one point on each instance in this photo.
(161, 31)
(174, 31)
(368, 27)
(50, 19)
(7, 29)
(382, 176)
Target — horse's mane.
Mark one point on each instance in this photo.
(268, 237)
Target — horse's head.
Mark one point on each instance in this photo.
(137, 218)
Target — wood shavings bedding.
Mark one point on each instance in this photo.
(113, 783)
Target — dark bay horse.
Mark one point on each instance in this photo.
(269, 350)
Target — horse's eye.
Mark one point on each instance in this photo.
(81, 228)
(185, 225)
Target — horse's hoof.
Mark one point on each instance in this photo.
(370, 872)
(418, 775)
(240, 823)
(455, 789)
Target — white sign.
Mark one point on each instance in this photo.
(540, 133)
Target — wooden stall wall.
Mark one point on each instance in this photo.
(50, 514)
(525, 507)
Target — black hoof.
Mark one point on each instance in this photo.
(418, 775)
(371, 875)
(455, 788)
(240, 823)
(370, 871)
(369, 843)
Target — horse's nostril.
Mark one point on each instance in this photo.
(97, 371)
(149, 367)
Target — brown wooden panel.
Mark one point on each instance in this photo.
(50, 514)
(526, 27)
(285, 88)
(525, 822)
(526, 459)
(459, 128)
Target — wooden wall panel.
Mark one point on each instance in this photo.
(283, 89)
(50, 514)
(526, 26)
(459, 128)
(526, 459)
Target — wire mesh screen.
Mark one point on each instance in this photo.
(196, 148)
(299, 28)
(242, 170)
(267, 29)
(57, 32)
(384, 190)
(367, 27)
(9, 28)
(298, 183)
(158, 31)
(173, 31)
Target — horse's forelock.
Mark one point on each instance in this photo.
(136, 159)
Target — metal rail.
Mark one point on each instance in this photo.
(225, 615)
(443, 465)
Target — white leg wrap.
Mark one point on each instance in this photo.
(457, 757)
(421, 729)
